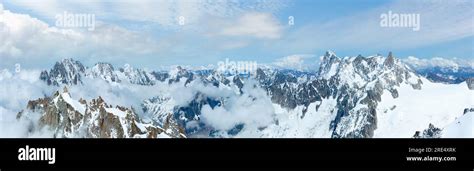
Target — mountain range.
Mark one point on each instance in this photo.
(351, 97)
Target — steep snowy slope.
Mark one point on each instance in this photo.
(436, 103)
(463, 127)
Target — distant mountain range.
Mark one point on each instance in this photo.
(442, 70)
(352, 97)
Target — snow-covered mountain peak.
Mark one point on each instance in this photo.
(330, 53)
(70, 72)
(71, 64)
(360, 71)
(66, 117)
(136, 76)
(103, 70)
(67, 71)
(179, 72)
(176, 71)
(329, 65)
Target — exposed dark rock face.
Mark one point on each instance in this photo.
(160, 76)
(470, 83)
(67, 71)
(430, 132)
(466, 110)
(179, 74)
(96, 119)
(389, 62)
(284, 88)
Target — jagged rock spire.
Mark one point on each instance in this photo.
(390, 60)
(67, 71)
(65, 90)
(329, 57)
(329, 53)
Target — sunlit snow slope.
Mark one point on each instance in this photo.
(436, 103)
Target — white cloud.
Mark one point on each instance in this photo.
(182, 93)
(298, 61)
(25, 37)
(253, 108)
(163, 12)
(218, 117)
(248, 29)
(10, 127)
(16, 89)
(259, 25)
(439, 62)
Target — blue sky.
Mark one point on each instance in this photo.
(147, 34)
